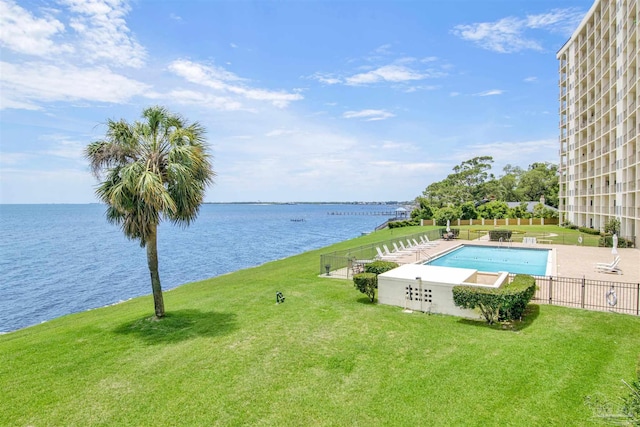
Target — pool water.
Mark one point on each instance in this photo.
(494, 259)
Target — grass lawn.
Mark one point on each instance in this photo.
(553, 234)
(226, 354)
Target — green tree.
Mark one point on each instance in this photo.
(493, 209)
(443, 214)
(612, 226)
(465, 184)
(540, 180)
(541, 211)
(468, 211)
(150, 170)
(520, 211)
(509, 183)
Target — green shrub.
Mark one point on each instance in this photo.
(367, 283)
(607, 242)
(588, 230)
(379, 267)
(404, 223)
(506, 303)
(495, 235)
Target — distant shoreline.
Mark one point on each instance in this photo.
(309, 203)
(237, 203)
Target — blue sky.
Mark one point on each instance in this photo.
(302, 100)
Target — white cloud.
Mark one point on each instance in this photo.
(208, 100)
(233, 45)
(490, 92)
(398, 146)
(392, 167)
(13, 158)
(384, 49)
(516, 153)
(530, 79)
(412, 89)
(368, 115)
(454, 93)
(218, 78)
(281, 132)
(26, 34)
(64, 147)
(511, 34)
(103, 32)
(175, 17)
(387, 73)
(75, 62)
(32, 82)
(398, 72)
(328, 79)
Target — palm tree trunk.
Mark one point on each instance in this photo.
(152, 261)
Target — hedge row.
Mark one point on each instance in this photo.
(497, 304)
(404, 223)
(496, 235)
(588, 230)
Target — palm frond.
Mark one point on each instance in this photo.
(154, 168)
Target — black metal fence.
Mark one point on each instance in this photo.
(344, 259)
(589, 294)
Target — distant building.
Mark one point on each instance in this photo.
(530, 206)
(599, 143)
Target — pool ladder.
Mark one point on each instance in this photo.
(509, 241)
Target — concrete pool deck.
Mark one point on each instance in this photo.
(570, 260)
(580, 261)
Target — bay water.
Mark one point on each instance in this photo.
(61, 259)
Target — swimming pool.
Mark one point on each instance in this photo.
(494, 259)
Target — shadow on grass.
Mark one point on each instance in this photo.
(531, 313)
(179, 326)
(366, 300)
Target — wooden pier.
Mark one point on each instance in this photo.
(379, 213)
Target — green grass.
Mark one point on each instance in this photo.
(553, 233)
(226, 354)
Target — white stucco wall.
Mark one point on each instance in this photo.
(431, 288)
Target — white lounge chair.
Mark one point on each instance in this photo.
(384, 257)
(387, 252)
(400, 251)
(425, 240)
(407, 248)
(612, 267)
(613, 263)
(413, 245)
(422, 245)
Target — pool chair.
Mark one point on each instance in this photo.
(400, 251)
(387, 252)
(612, 267)
(425, 241)
(384, 257)
(408, 248)
(423, 245)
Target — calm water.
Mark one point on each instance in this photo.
(483, 258)
(61, 259)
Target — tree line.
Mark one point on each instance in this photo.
(472, 191)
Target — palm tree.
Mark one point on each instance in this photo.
(150, 170)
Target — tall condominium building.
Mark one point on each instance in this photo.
(599, 127)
